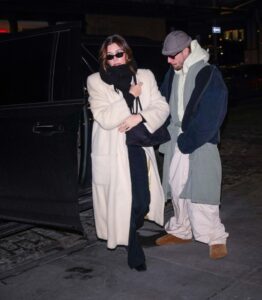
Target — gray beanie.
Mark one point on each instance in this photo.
(175, 42)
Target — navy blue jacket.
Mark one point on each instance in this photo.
(205, 111)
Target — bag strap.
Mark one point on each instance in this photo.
(137, 102)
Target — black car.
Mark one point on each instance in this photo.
(44, 127)
(244, 81)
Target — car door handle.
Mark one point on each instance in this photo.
(47, 129)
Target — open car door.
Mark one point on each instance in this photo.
(41, 103)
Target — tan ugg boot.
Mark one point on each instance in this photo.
(217, 251)
(169, 239)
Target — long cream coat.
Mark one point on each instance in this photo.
(110, 166)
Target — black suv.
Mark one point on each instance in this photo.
(44, 127)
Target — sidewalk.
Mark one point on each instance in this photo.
(174, 272)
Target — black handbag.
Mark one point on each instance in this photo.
(141, 136)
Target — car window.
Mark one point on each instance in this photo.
(40, 66)
(24, 72)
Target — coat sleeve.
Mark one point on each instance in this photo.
(109, 114)
(208, 118)
(157, 111)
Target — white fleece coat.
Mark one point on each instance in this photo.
(111, 181)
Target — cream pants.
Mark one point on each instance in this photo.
(192, 219)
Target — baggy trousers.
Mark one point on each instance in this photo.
(140, 202)
(201, 220)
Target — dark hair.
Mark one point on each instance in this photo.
(122, 43)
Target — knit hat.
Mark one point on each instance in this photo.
(175, 42)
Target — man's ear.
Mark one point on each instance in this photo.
(186, 52)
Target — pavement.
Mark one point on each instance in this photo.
(174, 272)
(46, 264)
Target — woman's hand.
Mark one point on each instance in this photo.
(136, 89)
(130, 122)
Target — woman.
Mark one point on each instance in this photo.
(125, 179)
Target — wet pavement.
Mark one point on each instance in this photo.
(31, 260)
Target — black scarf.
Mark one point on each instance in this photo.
(120, 76)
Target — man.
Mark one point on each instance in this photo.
(197, 97)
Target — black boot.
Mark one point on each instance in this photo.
(141, 267)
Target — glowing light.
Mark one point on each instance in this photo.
(3, 30)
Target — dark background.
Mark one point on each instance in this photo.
(239, 20)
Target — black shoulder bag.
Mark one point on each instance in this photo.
(140, 136)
